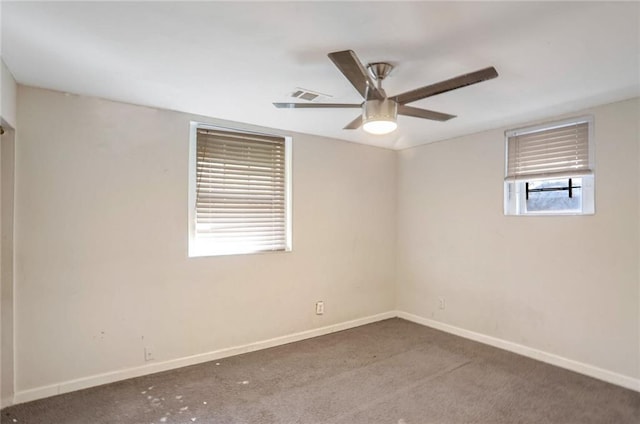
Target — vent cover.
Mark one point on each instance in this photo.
(308, 95)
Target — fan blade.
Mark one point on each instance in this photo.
(316, 105)
(423, 113)
(348, 63)
(448, 85)
(355, 124)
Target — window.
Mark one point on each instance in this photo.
(239, 192)
(549, 169)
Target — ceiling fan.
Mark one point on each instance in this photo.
(379, 112)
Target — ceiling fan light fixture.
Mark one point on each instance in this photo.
(379, 112)
(380, 116)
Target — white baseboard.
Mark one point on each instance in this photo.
(110, 377)
(550, 358)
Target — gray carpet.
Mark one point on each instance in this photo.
(393, 372)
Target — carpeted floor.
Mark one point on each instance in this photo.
(393, 372)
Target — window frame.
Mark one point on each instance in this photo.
(202, 247)
(515, 188)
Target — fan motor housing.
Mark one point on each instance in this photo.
(379, 116)
(379, 110)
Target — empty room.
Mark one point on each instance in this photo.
(319, 212)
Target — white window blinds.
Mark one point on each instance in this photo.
(241, 192)
(561, 151)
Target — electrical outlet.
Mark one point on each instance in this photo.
(148, 354)
(442, 303)
(319, 308)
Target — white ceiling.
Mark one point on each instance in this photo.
(231, 60)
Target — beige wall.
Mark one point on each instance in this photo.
(7, 95)
(7, 163)
(568, 286)
(8, 120)
(101, 243)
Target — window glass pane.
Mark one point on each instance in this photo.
(555, 195)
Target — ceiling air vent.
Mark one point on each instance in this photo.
(308, 95)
